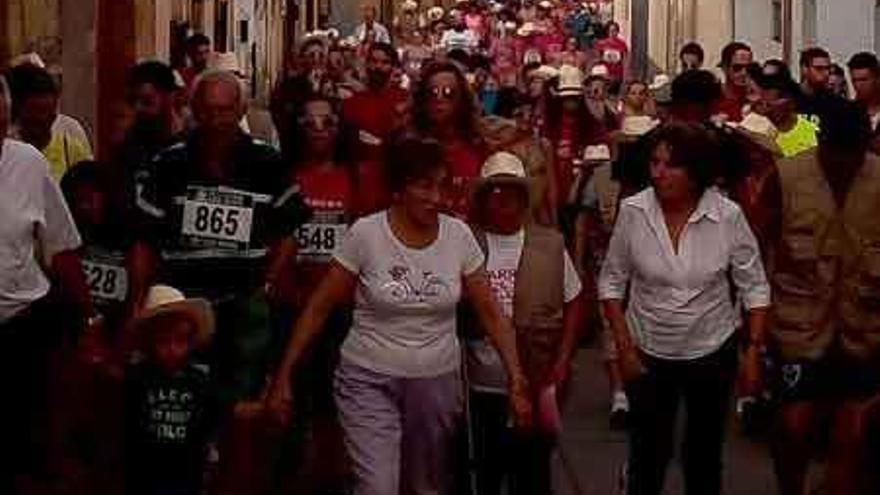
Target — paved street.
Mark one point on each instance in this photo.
(595, 454)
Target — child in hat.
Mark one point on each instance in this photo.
(169, 398)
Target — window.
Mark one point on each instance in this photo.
(776, 19)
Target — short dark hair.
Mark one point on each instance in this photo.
(27, 81)
(693, 48)
(158, 74)
(411, 158)
(845, 125)
(864, 60)
(730, 50)
(86, 173)
(388, 50)
(811, 54)
(693, 148)
(197, 39)
(696, 86)
(782, 83)
(776, 66)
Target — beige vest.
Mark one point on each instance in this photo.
(608, 191)
(539, 300)
(826, 278)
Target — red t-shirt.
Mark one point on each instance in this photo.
(613, 52)
(464, 161)
(330, 193)
(731, 104)
(371, 116)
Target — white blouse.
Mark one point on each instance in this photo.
(679, 304)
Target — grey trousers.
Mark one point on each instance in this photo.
(399, 432)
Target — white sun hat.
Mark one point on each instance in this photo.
(599, 70)
(502, 168)
(597, 153)
(638, 125)
(435, 14)
(226, 62)
(545, 72)
(409, 5)
(546, 4)
(571, 81)
(164, 300)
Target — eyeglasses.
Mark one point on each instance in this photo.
(443, 92)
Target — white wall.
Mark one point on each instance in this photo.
(845, 27)
(753, 24)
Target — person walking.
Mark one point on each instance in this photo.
(675, 250)
(397, 386)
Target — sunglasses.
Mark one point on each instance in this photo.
(738, 67)
(443, 92)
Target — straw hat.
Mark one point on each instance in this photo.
(435, 14)
(597, 153)
(227, 62)
(638, 125)
(164, 300)
(502, 168)
(571, 81)
(409, 6)
(599, 71)
(527, 29)
(545, 72)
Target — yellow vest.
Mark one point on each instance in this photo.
(826, 276)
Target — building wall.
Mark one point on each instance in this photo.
(845, 27)
(753, 23)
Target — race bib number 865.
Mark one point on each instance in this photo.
(221, 222)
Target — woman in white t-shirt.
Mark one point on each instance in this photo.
(397, 386)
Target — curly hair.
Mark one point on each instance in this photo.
(466, 114)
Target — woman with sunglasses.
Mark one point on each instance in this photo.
(397, 386)
(445, 109)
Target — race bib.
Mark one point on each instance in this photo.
(107, 282)
(217, 218)
(318, 241)
(612, 56)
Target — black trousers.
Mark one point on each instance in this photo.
(25, 345)
(705, 386)
(503, 456)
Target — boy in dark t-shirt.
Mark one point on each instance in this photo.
(169, 399)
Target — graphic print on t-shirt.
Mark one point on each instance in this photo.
(403, 287)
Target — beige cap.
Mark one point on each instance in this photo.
(502, 168)
(638, 125)
(597, 153)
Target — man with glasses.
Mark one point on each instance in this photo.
(815, 83)
(735, 60)
(779, 97)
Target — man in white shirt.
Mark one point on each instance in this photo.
(370, 31)
(36, 226)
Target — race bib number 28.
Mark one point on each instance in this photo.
(106, 282)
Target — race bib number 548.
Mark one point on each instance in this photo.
(319, 240)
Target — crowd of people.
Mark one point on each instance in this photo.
(385, 294)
